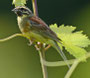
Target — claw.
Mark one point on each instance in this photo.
(31, 42)
(37, 48)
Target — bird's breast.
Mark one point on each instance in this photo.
(23, 24)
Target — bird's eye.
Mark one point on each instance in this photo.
(22, 8)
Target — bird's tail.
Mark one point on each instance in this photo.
(61, 53)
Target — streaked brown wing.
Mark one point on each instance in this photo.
(42, 28)
(38, 20)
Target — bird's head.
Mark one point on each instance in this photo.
(22, 11)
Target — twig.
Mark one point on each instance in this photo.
(35, 9)
(57, 63)
(72, 69)
(61, 63)
(10, 37)
(44, 69)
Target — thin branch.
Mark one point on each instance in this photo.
(10, 37)
(57, 63)
(61, 63)
(71, 70)
(44, 69)
(35, 9)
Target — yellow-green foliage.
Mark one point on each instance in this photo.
(74, 42)
(19, 2)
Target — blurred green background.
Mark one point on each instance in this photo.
(18, 60)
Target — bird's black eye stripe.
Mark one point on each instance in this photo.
(22, 9)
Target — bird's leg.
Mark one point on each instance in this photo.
(47, 47)
(31, 41)
(38, 46)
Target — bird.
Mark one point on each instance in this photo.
(37, 30)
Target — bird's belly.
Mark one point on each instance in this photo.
(36, 37)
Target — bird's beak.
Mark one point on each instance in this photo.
(14, 10)
(17, 11)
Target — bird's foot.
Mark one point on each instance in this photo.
(47, 47)
(31, 42)
(37, 47)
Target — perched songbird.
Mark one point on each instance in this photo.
(36, 29)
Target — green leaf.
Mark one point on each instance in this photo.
(74, 42)
(76, 51)
(62, 29)
(19, 2)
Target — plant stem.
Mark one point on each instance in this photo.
(57, 63)
(35, 9)
(10, 37)
(41, 51)
(62, 63)
(44, 69)
(69, 73)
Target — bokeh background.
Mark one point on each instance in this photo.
(18, 60)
